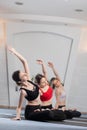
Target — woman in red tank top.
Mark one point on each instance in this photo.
(46, 92)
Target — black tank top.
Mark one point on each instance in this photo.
(32, 94)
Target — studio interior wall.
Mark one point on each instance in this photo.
(78, 88)
(49, 42)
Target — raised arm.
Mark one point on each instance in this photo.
(50, 64)
(22, 59)
(40, 62)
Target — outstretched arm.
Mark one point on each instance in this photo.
(50, 64)
(43, 67)
(22, 59)
(18, 110)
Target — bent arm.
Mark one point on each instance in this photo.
(50, 64)
(43, 67)
(18, 110)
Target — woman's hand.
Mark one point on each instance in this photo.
(12, 50)
(16, 118)
(36, 110)
(39, 62)
(18, 115)
(64, 108)
(50, 64)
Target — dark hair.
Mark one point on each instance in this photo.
(51, 84)
(15, 76)
(38, 78)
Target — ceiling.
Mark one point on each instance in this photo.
(57, 8)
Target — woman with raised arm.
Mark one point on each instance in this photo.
(59, 89)
(30, 91)
(60, 94)
(46, 93)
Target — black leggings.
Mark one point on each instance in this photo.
(47, 107)
(46, 115)
(57, 115)
(72, 113)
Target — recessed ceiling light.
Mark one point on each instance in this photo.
(79, 10)
(18, 3)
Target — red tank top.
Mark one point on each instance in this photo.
(46, 95)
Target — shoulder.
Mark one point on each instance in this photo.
(23, 92)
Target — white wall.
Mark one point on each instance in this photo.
(4, 90)
(52, 36)
(68, 72)
(78, 88)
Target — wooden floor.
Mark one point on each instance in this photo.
(7, 124)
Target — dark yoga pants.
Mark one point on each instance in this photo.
(46, 115)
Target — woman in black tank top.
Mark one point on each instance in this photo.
(28, 90)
